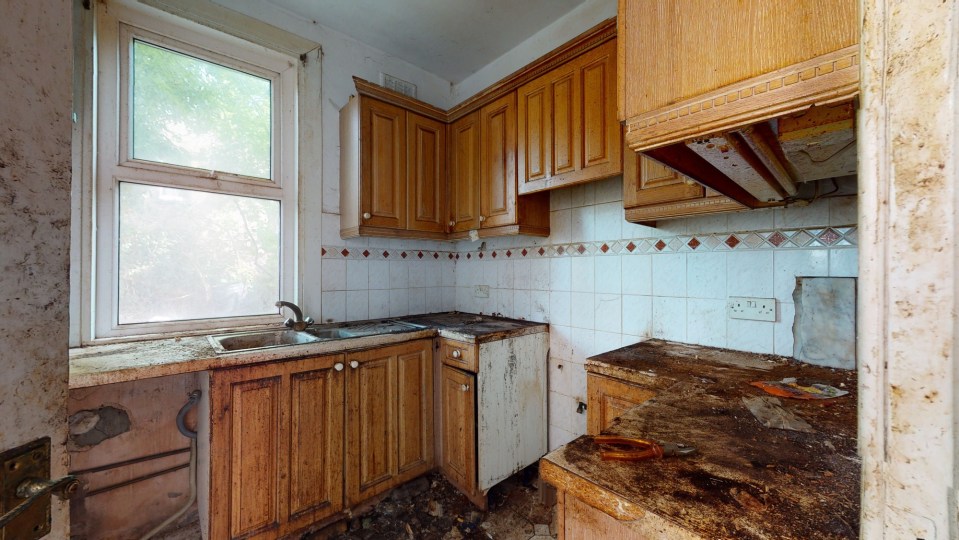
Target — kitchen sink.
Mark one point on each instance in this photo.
(262, 339)
(265, 339)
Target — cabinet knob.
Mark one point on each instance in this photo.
(465, 387)
(354, 364)
(452, 223)
(367, 215)
(482, 219)
(338, 366)
(457, 354)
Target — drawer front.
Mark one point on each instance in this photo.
(459, 355)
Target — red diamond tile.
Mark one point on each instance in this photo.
(469, 256)
(604, 248)
(541, 251)
(693, 243)
(386, 254)
(630, 247)
(560, 250)
(732, 241)
(480, 255)
(419, 255)
(829, 237)
(323, 251)
(509, 253)
(660, 245)
(436, 255)
(777, 239)
(494, 254)
(366, 253)
(345, 253)
(403, 254)
(581, 249)
(524, 252)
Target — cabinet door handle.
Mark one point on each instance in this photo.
(338, 366)
(482, 219)
(367, 215)
(457, 354)
(354, 364)
(452, 223)
(465, 387)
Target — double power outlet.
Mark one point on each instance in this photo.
(752, 309)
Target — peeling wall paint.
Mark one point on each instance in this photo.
(35, 131)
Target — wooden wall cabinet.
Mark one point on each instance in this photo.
(568, 132)
(389, 430)
(392, 168)
(276, 431)
(689, 68)
(464, 182)
(652, 191)
(609, 398)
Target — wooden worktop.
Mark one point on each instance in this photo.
(747, 481)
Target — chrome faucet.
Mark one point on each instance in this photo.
(298, 323)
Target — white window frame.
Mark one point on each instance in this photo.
(117, 25)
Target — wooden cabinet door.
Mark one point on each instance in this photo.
(602, 140)
(426, 173)
(414, 425)
(458, 394)
(608, 399)
(498, 161)
(371, 423)
(464, 173)
(316, 440)
(246, 436)
(382, 164)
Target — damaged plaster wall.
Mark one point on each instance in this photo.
(36, 63)
(908, 159)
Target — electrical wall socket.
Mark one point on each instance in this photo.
(751, 309)
(481, 291)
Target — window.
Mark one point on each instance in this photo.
(195, 196)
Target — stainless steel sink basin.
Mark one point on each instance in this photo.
(261, 339)
(329, 333)
(365, 328)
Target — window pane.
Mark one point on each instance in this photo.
(194, 255)
(195, 113)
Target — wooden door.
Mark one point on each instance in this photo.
(608, 399)
(498, 161)
(371, 423)
(458, 394)
(464, 173)
(316, 440)
(246, 428)
(382, 164)
(414, 394)
(426, 173)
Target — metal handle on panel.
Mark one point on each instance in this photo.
(33, 489)
(354, 364)
(465, 387)
(457, 354)
(367, 215)
(338, 366)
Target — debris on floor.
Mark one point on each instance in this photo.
(430, 508)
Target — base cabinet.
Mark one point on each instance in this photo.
(276, 432)
(458, 391)
(608, 398)
(389, 405)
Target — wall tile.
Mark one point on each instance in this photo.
(379, 303)
(669, 274)
(521, 304)
(334, 306)
(637, 274)
(539, 275)
(844, 263)
(609, 274)
(357, 275)
(609, 313)
(637, 315)
(609, 219)
(706, 322)
(559, 437)
(559, 308)
(843, 211)
(559, 199)
(706, 275)
(751, 220)
(610, 190)
(567, 378)
(521, 274)
(583, 310)
(417, 301)
(814, 215)
(583, 227)
(504, 274)
(584, 344)
(606, 341)
(399, 302)
(750, 336)
(582, 273)
(583, 195)
(560, 274)
(504, 302)
(399, 275)
(669, 318)
(783, 332)
(748, 274)
(561, 342)
(334, 275)
(708, 224)
(357, 305)
(379, 275)
(560, 226)
(539, 307)
(788, 265)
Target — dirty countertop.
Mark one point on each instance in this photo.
(127, 361)
(747, 481)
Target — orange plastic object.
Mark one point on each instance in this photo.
(641, 449)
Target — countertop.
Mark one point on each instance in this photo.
(747, 481)
(128, 361)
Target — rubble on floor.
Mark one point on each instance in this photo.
(430, 508)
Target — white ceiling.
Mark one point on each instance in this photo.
(449, 38)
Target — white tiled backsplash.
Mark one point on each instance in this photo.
(602, 282)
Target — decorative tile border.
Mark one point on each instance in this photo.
(778, 239)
